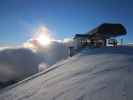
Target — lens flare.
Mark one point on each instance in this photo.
(42, 36)
(43, 39)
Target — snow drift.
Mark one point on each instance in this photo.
(93, 74)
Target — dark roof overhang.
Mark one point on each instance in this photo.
(83, 36)
(108, 30)
(103, 31)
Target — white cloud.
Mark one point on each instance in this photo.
(18, 63)
(67, 40)
(52, 53)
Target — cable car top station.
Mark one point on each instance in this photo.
(98, 36)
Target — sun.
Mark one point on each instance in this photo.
(42, 36)
(43, 39)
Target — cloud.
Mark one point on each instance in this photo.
(21, 61)
(66, 40)
(69, 42)
(18, 63)
(53, 53)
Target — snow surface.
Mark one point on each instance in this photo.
(93, 74)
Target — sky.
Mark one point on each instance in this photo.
(20, 18)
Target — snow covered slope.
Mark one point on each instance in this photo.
(93, 74)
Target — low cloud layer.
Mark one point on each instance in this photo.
(53, 53)
(56, 51)
(18, 63)
(37, 54)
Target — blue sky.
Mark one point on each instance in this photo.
(19, 18)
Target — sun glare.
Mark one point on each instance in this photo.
(43, 36)
(43, 39)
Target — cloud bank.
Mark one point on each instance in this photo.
(18, 63)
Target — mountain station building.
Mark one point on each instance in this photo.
(98, 36)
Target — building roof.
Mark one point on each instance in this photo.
(105, 30)
(108, 30)
(81, 36)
